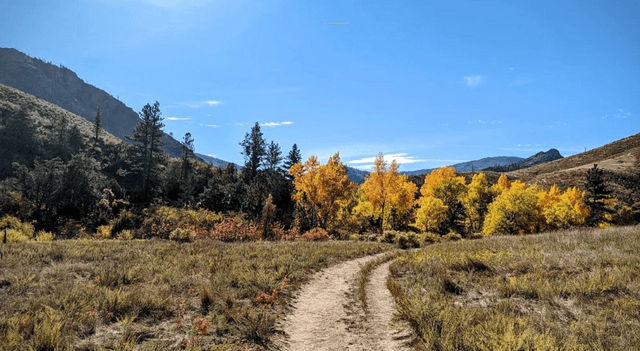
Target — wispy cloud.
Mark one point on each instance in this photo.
(366, 163)
(473, 81)
(622, 114)
(401, 158)
(512, 68)
(177, 118)
(198, 104)
(242, 124)
(277, 124)
(211, 125)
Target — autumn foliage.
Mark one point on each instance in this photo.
(386, 195)
(445, 203)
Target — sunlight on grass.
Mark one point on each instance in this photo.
(157, 295)
(575, 290)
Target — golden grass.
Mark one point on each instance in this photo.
(574, 290)
(153, 295)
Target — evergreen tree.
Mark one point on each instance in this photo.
(75, 141)
(254, 151)
(18, 142)
(274, 156)
(597, 193)
(187, 153)
(97, 124)
(147, 147)
(291, 159)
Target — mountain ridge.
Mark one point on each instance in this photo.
(62, 87)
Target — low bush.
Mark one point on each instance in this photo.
(316, 234)
(16, 231)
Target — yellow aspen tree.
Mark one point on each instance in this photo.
(322, 188)
(387, 192)
(562, 210)
(431, 214)
(446, 185)
(502, 185)
(476, 202)
(514, 211)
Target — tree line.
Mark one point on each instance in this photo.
(74, 180)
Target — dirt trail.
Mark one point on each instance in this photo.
(325, 316)
(381, 308)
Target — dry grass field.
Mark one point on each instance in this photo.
(154, 295)
(574, 290)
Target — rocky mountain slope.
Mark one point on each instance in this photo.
(540, 157)
(47, 117)
(62, 87)
(475, 165)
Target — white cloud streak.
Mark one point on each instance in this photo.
(277, 124)
(402, 158)
(198, 104)
(473, 81)
(177, 118)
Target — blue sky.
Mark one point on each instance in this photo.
(430, 83)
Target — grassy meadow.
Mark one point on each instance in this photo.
(154, 294)
(573, 290)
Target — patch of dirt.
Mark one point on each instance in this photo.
(325, 315)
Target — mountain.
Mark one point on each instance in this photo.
(62, 87)
(47, 117)
(216, 161)
(357, 175)
(540, 157)
(474, 165)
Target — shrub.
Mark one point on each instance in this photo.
(388, 237)
(71, 229)
(452, 236)
(236, 229)
(181, 234)
(293, 234)
(316, 234)
(430, 238)
(407, 241)
(17, 231)
(43, 236)
(103, 232)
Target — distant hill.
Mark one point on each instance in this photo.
(620, 160)
(62, 87)
(46, 116)
(474, 165)
(540, 157)
(216, 161)
(357, 175)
